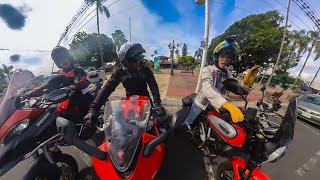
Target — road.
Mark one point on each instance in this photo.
(184, 161)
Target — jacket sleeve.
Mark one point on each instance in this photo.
(152, 83)
(209, 91)
(82, 79)
(38, 91)
(108, 88)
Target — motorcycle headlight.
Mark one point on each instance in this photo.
(16, 130)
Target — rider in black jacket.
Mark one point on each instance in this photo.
(75, 79)
(133, 75)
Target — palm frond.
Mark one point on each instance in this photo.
(105, 11)
(91, 2)
(317, 51)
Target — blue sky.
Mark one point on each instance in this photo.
(155, 23)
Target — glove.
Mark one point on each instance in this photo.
(89, 128)
(234, 111)
(159, 109)
(250, 77)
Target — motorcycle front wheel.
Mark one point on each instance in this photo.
(225, 171)
(66, 168)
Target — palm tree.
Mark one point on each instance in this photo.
(317, 52)
(100, 8)
(299, 41)
(5, 72)
(313, 38)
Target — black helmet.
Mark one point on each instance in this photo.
(59, 53)
(130, 53)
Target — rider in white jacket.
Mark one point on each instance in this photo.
(212, 90)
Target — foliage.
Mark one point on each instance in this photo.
(85, 48)
(259, 36)
(184, 50)
(118, 38)
(187, 61)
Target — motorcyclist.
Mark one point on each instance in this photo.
(75, 79)
(212, 90)
(134, 76)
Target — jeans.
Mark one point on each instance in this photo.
(193, 114)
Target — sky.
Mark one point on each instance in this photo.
(154, 23)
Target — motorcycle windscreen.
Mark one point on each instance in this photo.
(125, 122)
(285, 133)
(19, 82)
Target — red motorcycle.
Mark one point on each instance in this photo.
(28, 129)
(246, 145)
(134, 136)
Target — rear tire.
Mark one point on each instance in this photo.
(225, 171)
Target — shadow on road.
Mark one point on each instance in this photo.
(182, 160)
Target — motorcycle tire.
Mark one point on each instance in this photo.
(66, 168)
(225, 171)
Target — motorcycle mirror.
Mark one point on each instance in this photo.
(233, 86)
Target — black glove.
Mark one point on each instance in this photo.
(89, 127)
(159, 110)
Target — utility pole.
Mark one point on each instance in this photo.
(305, 62)
(281, 47)
(314, 77)
(130, 29)
(172, 54)
(206, 36)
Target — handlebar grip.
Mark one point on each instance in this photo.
(92, 151)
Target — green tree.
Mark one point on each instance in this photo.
(184, 50)
(119, 38)
(259, 36)
(100, 8)
(85, 48)
(187, 61)
(312, 38)
(6, 71)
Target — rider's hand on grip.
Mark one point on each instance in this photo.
(235, 112)
(89, 127)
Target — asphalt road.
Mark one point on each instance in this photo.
(184, 161)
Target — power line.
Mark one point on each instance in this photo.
(304, 6)
(280, 12)
(295, 15)
(137, 5)
(90, 20)
(75, 18)
(33, 50)
(94, 11)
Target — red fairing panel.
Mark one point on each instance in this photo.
(146, 167)
(17, 116)
(257, 174)
(237, 141)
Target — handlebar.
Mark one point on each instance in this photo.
(92, 151)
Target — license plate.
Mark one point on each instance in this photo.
(307, 115)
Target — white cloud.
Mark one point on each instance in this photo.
(48, 19)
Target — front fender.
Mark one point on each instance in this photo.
(238, 164)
